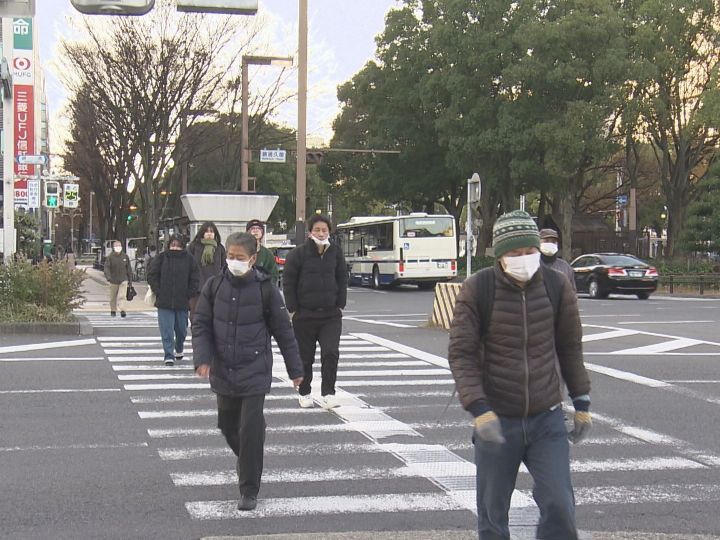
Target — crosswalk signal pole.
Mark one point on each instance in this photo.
(473, 196)
(8, 159)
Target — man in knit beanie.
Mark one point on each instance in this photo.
(509, 371)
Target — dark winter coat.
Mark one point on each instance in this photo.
(173, 276)
(314, 284)
(117, 268)
(206, 272)
(266, 261)
(560, 265)
(516, 368)
(230, 333)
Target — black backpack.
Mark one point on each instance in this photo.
(552, 279)
(265, 295)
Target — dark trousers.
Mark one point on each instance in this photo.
(173, 325)
(242, 422)
(541, 442)
(309, 332)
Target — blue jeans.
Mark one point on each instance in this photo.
(541, 442)
(173, 330)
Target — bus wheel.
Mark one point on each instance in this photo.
(426, 285)
(376, 278)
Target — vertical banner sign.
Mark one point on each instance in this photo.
(23, 99)
(33, 191)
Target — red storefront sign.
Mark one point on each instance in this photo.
(24, 126)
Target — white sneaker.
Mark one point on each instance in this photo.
(330, 401)
(306, 402)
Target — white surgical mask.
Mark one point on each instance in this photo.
(319, 242)
(548, 248)
(117, 249)
(522, 268)
(238, 268)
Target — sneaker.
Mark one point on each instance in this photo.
(112, 313)
(306, 402)
(330, 401)
(169, 362)
(178, 356)
(247, 503)
(123, 314)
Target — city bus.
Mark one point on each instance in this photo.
(419, 249)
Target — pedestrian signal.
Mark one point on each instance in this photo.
(52, 194)
(314, 157)
(71, 196)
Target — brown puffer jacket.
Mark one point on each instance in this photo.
(515, 367)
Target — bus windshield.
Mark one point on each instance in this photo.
(426, 227)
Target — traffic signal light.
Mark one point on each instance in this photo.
(52, 194)
(314, 157)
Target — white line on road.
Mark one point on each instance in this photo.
(316, 449)
(302, 506)
(415, 353)
(343, 384)
(54, 359)
(60, 391)
(45, 346)
(663, 347)
(608, 335)
(193, 413)
(74, 447)
(157, 377)
(181, 386)
(381, 323)
(665, 322)
(626, 376)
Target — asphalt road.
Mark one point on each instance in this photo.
(99, 440)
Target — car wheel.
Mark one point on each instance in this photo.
(593, 289)
(643, 295)
(375, 277)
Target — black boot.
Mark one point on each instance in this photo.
(247, 502)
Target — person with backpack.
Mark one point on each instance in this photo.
(209, 254)
(173, 276)
(549, 245)
(237, 313)
(315, 287)
(514, 339)
(265, 257)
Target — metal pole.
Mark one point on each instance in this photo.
(244, 140)
(91, 219)
(468, 230)
(8, 162)
(302, 117)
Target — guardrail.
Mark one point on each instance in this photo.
(703, 283)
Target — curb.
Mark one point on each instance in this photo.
(81, 327)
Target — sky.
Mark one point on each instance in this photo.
(341, 40)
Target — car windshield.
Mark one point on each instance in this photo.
(622, 260)
(283, 251)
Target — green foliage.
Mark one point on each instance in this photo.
(478, 263)
(702, 227)
(679, 265)
(27, 228)
(39, 293)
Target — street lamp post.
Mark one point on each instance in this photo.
(282, 61)
(301, 179)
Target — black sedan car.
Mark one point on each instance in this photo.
(600, 274)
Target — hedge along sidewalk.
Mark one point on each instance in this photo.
(80, 327)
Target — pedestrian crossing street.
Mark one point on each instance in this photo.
(390, 449)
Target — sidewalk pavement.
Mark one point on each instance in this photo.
(96, 291)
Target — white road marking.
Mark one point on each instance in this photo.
(54, 359)
(410, 351)
(45, 346)
(381, 323)
(668, 493)
(693, 381)
(61, 391)
(640, 464)
(73, 447)
(626, 376)
(302, 506)
(317, 449)
(665, 322)
(375, 382)
(195, 413)
(157, 377)
(353, 356)
(154, 367)
(144, 351)
(663, 347)
(181, 386)
(384, 373)
(612, 334)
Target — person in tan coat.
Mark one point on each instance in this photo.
(515, 338)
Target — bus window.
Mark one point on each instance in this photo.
(425, 227)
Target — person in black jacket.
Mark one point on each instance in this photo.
(209, 254)
(315, 286)
(173, 277)
(233, 323)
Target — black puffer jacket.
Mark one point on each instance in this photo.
(517, 367)
(315, 284)
(207, 271)
(230, 333)
(173, 276)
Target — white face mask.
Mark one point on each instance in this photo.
(238, 268)
(117, 249)
(548, 248)
(319, 242)
(522, 268)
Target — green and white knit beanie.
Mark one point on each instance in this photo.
(514, 230)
